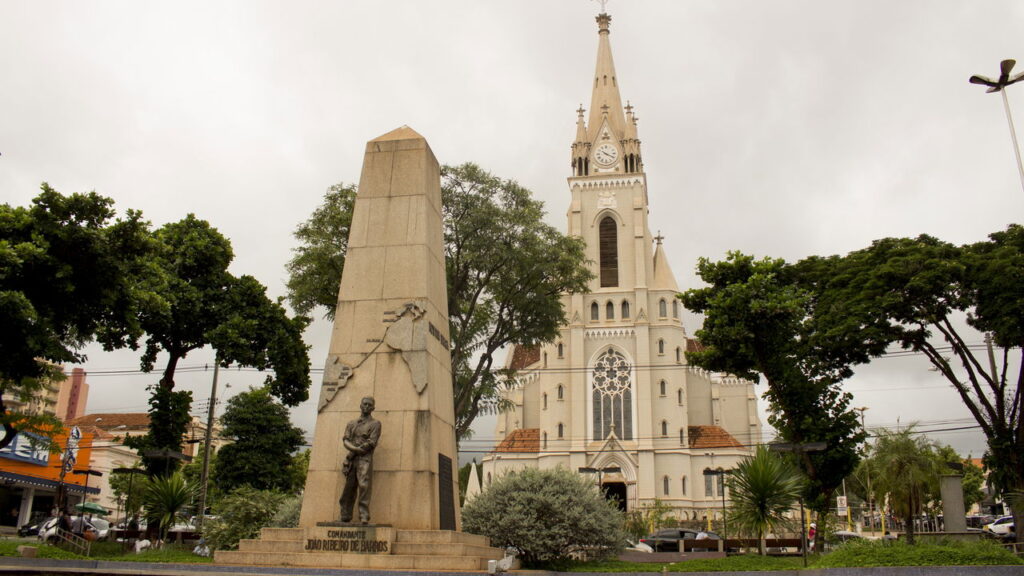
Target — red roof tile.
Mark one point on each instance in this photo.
(711, 437)
(524, 356)
(693, 345)
(522, 440)
(111, 421)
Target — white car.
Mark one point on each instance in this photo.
(1001, 527)
(49, 529)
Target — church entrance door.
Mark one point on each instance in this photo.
(616, 491)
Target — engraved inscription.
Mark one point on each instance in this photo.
(437, 334)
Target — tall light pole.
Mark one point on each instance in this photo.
(1005, 67)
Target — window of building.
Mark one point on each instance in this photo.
(679, 355)
(664, 428)
(684, 485)
(545, 359)
(561, 430)
(609, 311)
(661, 387)
(664, 485)
(560, 350)
(544, 401)
(595, 312)
(662, 308)
(488, 478)
(709, 487)
(661, 346)
(625, 309)
(682, 437)
(612, 396)
(679, 396)
(721, 483)
(675, 308)
(561, 392)
(545, 440)
(609, 252)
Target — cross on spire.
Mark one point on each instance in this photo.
(580, 111)
(659, 238)
(603, 3)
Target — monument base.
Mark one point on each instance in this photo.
(363, 546)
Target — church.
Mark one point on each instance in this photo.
(613, 396)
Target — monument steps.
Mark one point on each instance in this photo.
(399, 548)
(357, 561)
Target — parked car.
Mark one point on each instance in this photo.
(1000, 527)
(667, 539)
(32, 528)
(48, 530)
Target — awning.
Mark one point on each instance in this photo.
(22, 479)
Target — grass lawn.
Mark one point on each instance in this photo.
(170, 553)
(751, 562)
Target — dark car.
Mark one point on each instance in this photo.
(667, 539)
(32, 528)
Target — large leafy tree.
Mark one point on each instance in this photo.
(765, 488)
(506, 271)
(67, 276)
(760, 321)
(200, 303)
(932, 297)
(263, 442)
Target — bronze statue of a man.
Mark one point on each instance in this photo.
(361, 437)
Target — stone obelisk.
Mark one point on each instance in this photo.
(390, 341)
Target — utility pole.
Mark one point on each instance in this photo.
(871, 512)
(205, 479)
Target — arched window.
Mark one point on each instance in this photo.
(488, 478)
(682, 436)
(675, 308)
(612, 396)
(664, 485)
(560, 350)
(679, 396)
(625, 309)
(661, 346)
(561, 392)
(661, 387)
(561, 430)
(544, 401)
(709, 488)
(609, 252)
(721, 483)
(595, 312)
(664, 428)
(684, 484)
(609, 311)
(545, 440)
(662, 308)
(679, 355)
(545, 359)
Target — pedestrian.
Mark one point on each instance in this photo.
(811, 533)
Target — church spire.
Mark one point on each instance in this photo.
(605, 98)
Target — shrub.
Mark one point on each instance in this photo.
(241, 515)
(287, 515)
(545, 516)
(165, 499)
(856, 553)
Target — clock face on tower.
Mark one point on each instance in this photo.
(606, 154)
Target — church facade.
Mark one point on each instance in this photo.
(613, 395)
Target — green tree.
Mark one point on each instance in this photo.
(67, 276)
(760, 320)
(263, 441)
(130, 490)
(201, 304)
(647, 518)
(764, 488)
(299, 469)
(506, 272)
(905, 466)
(546, 516)
(193, 472)
(166, 498)
(916, 292)
(241, 515)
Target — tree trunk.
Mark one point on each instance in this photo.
(908, 519)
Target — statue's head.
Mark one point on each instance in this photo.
(367, 405)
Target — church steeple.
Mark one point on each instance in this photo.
(608, 142)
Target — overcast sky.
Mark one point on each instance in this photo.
(779, 128)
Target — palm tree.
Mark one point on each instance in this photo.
(905, 465)
(166, 498)
(764, 489)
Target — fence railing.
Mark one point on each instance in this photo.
(72, 542)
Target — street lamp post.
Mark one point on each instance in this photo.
(86, 473)
(1005, 67)
(799, 448)
(871, 510)
(128, 500)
